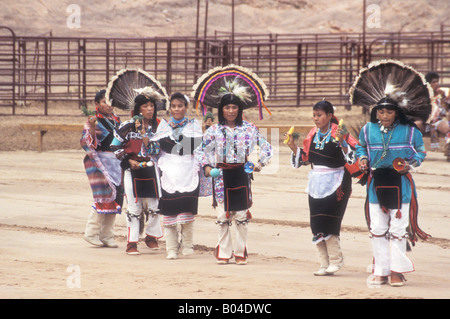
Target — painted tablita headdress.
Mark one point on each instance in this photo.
(390, 82)
(230, 84)
(127, 84)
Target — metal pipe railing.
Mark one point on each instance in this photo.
(298, 69)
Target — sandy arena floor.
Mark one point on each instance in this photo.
(45, 200)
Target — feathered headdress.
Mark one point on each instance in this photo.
(233, 80)
(396, 81)
(129, 83)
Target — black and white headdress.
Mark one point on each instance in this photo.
(127, 84)
(395, 83)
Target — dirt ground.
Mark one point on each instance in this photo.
(45, 197)
(45, 200)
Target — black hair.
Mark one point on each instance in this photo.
(390, 104)
(99, 95)
(326, 107)
(141, 100)
(231, 99)
(430, 76)
(179, 96)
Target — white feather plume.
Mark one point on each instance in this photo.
(395, 93)
(233, 87)
(149, 91)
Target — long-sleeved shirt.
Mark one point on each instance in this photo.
(381, 149)
(222, 144)
(127, 144)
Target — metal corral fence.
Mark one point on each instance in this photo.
(299, 70)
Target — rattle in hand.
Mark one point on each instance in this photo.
(291, 130)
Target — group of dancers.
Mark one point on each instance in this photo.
(163, 167)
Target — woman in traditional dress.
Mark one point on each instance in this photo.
(141, 179)
(329, 184)
(104, 173)
(180, 176)
(227, 146)
(390, 145)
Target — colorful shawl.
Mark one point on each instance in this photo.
(103, 189)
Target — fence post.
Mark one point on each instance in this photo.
(226, 54)
(84, 95)
(107, 61)
(169, 67)
(299, 72)
(46, 76)
(14, 72)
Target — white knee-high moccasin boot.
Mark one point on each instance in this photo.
(107, 231)
(187, 238)
(323, 258)
(93, 226)
(171, 235)
(335, 254)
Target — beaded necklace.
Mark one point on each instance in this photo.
(322, 138)
(385, 130)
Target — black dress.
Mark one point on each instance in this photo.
(172, 204)
(326, 213)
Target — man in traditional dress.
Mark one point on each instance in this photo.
(391, 145)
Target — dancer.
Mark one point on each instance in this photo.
(180, 176)
(104, 173)
(330, 150)
(141, 178)
(137, 153)
(439, 118)
(225, 150)
(390, 146)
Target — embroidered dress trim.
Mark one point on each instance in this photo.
(107, 208)
(181, 218)
(317, 238)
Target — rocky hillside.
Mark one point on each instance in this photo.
(139, 18)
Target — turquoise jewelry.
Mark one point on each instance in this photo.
(321, 139)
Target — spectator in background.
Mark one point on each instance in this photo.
(438, 121)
